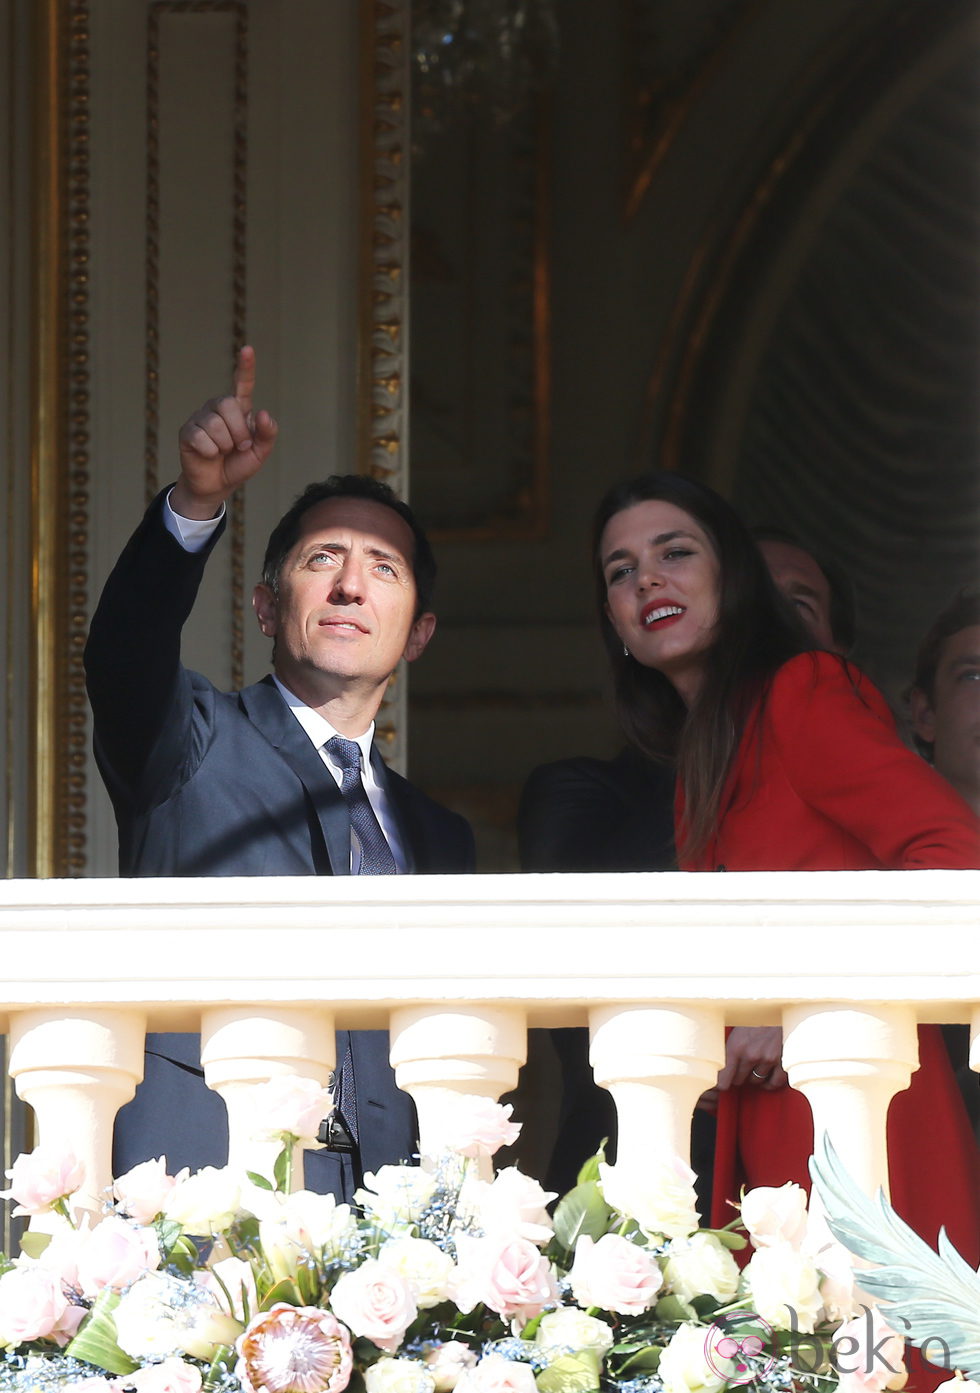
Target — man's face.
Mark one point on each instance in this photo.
(345, 611)
(804, 584)
(950, 721)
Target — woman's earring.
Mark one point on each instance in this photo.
(626, 650)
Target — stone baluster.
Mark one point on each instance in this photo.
(439, 1052)
(243, 1047)
(76, 1068)
(850, 1061)
(656, 1062)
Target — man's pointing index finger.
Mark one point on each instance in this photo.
(245, 379)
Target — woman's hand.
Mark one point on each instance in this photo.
(753, 1054)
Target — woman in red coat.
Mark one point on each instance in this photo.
(787, 758)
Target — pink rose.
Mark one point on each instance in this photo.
(867, 1355)
(33, 1306)
(775, 1215)
(292, 1105)
(142, 1192)
(495, 1374)
(376, 1303)
(289, 1349)
(615, 1275)
(40, 1178)
(508, 1275)
(169, 1376)
(115, 1253)
(479, 1126)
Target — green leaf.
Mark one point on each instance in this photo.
(33, 1244)
(571, 1373)
(308, 1282)
(168, 1234)
(735, 1241)
(184, 1254)
(646, 1361)
(673, 1309)
(590, 1171)
(286, 1290)
(222, 1367)
(583, 1211)
(96, 1341)
(260, 1180)
(704, 1306)
(281, 1169)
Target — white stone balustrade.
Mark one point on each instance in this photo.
(458, 967)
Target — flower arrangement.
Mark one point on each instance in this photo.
(437, 1280)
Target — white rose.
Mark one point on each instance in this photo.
(512, 1204)
(396, 1196)
(422, 1265)
(701, 1266)
(301, 1225)
(784, 1287)
(661, 1199)
(206, 1202)
(568, 1330)
(448, 1362)
(684, 1366)
(399, 1376)
(775, 1215)
(162, 1315)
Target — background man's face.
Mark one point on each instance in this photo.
(804, 584)
(951, 720)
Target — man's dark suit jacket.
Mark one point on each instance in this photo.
(227, 783)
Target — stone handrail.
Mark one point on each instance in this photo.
(458, 967)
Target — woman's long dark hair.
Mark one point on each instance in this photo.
(757, 631)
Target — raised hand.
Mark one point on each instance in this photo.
(222, 445)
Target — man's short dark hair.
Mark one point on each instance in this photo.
(843, 605)
(285, 534)
(963, 612)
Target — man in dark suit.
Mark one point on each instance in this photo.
(281, 778)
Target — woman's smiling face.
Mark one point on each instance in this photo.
(663, 584)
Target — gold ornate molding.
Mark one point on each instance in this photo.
(383, 344)
(383, 366)
(60, 443)
(236, 518)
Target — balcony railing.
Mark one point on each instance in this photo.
(458, 968)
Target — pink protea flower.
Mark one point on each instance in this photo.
(294, 1349)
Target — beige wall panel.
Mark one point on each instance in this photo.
(250, 230)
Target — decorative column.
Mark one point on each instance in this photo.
(76, 1068)
(850, 1061)
(439, 1053)
(243, 1047)
(656, 1062)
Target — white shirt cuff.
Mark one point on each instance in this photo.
(191, 533)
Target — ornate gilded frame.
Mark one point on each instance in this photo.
(60, 437)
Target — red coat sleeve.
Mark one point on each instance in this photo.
(837, 742)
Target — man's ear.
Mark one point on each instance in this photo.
(923, 716)
(266, 609)
(421, 631)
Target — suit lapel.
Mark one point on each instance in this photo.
(267, 711)
(408, 825)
